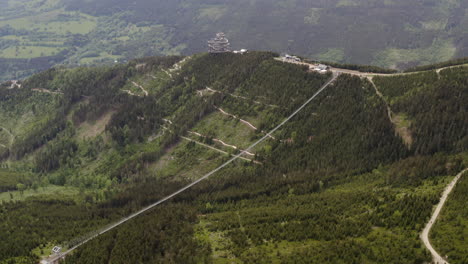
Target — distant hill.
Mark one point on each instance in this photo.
(393, 33)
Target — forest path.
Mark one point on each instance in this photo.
(131, 93)
(240, 97)
(235, 117)
(215, 149)
(141, 87)
(168, 73)
(42, 90)
(12, 137)
(242, 121)
(437, 259)
(401, 130)
(97, 233)
(178, 65)
(222, 143)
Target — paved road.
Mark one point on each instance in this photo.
(206, 176)
(369, 74)
(437, 259)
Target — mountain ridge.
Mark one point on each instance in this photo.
(336, 175)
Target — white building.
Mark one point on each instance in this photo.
(321, 68)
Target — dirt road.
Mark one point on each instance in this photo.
(436, 258)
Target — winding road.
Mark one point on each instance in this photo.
(437, 259)
(55, 259)
(369, 74)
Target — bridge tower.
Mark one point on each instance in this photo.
(219, 44)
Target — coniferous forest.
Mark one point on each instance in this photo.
(81, 148)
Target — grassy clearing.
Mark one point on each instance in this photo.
(43, 250)
(333, 54)
(212, 13)
(39, 18)
(219, 243)
(186, 161)
(151, 82)
(103, 56)
(51, 190)
(440, 50)
(13, 37)
(402, 125)
(50, 22)
(9, 179)
(30, 113)
(402, 120)
(25, 52)
(228, 129)
(434, 24)
(93, 129)
(347, 3)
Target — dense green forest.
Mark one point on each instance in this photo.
(84, 147)
(38, 34)
(435, 105)
(450, 63)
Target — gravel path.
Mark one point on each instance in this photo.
(437, 259)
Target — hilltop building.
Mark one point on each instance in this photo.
(219, 44)
(290, 58)
(241, 51)
(321, 68)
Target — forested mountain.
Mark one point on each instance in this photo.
(80, 148)
(37, 34)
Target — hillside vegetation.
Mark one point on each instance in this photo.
(336, 184)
